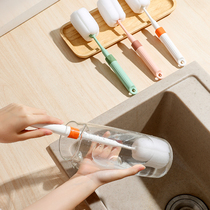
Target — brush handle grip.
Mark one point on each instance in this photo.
(121, 74)
(172, 49)
(56, 128)
(163, 36)
(112, 62)
(140, 50)
(63, 130)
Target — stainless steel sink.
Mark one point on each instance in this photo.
(178, 110)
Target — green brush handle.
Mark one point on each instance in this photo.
(121, 74)
(112, 62)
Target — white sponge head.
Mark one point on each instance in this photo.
(111, 11)
(144, 149)
(84, 23)
(138, 5)
(153, 152)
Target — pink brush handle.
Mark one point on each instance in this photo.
(137, 46)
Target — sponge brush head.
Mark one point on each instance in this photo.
(111, 11)
(84, 23)
(138, 5)
(153, 151)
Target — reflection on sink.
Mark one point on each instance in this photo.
(176, 109)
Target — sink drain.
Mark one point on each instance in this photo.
(186, 202)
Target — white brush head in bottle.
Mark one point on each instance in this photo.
(138, 5)
(153, 151)
(111, 11)
(84, 23)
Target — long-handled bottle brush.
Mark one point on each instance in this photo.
(140, 6)
(88, 28)
(113, 15)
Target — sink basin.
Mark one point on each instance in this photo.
(178, 110)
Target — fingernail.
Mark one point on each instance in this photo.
(48, 133)
(141, 168)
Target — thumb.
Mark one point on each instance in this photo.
(119, 174)
(110, 175)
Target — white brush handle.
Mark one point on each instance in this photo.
(172, 49)
(65, 131)
(55, 128)
(170, 46)
(106, 141)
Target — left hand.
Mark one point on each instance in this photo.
(99, 175)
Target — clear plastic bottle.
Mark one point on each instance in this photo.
(136, 148)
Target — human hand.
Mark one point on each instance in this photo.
(15, 118)
(87, 179)
(99, 175)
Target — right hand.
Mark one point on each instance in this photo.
(15, 118)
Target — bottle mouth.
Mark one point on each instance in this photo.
(69, 146)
